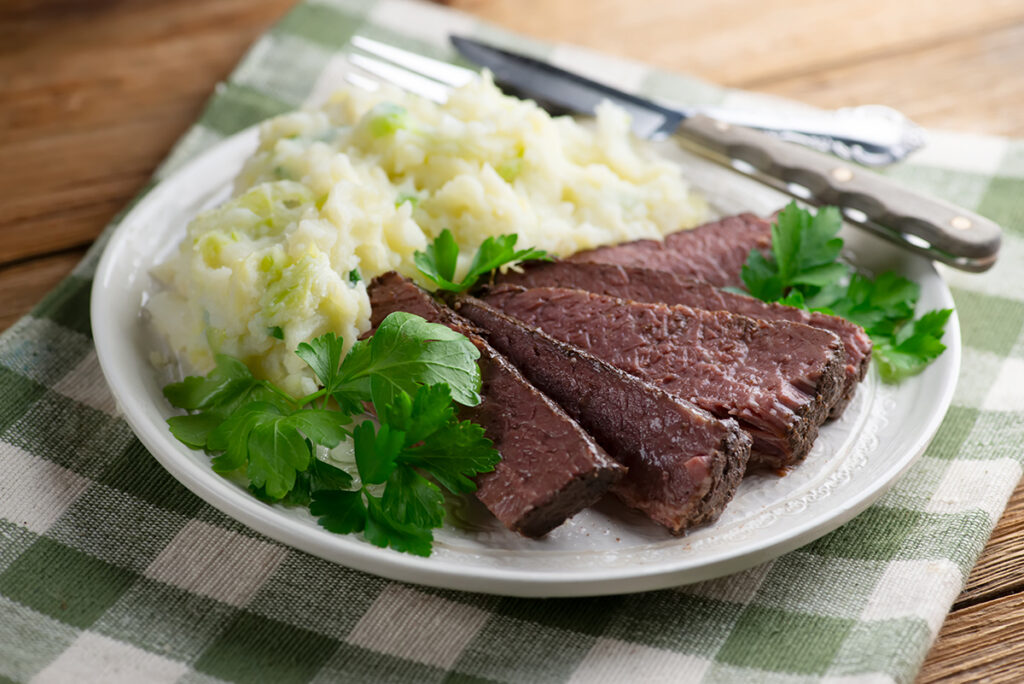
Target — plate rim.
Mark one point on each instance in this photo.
(352, 552)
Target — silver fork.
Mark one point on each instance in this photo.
(873, 135)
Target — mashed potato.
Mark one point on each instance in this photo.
(337, 195)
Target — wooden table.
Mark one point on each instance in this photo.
(93, 94)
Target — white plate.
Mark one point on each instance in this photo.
(603, 550)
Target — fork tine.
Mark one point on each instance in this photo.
(406, 80)
(449, 74)
(360, 81)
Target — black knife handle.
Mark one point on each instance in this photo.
(938, 229)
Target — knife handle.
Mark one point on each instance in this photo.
(938, 229)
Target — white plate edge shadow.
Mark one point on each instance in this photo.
(115, 303)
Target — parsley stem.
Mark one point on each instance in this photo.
(312, 397)
(281, 393)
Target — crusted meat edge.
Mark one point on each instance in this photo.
(729, 459)
(802, 432)
(563, 504)
(630, 274)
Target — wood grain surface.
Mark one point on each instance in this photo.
(93, 95)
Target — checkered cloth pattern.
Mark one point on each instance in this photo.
(110, 571)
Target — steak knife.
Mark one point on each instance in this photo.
(929, 226)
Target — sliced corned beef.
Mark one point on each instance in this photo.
(713, 252)
(650, 285)
(778, 379)
(550, 469)
(683, 464)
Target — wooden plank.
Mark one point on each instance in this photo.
(998, 571)
(95, 94)
(987, 618)
(980, 643)
(970, 84)
(63, 199)
(745, 42)
(948, 67)
(22, 285)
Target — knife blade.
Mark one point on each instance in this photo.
(935, 228)
(873, 135)
(553, 87)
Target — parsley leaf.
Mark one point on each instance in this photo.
(277, 451)
(228, 384)
(339, 511)
(418, 418)
(419, 436)
(439, 261)
(232, 436)
(803, 271)
(877, 305)
(498, 251)
(194, 429)
(816, 244)
(383, 530)
(324, 476)
(412, 499)
(761, 277)
(412, 371)
(453, 454)
(321, 426)
(376, 451)
(320, 476)
(219, 393)
(804, 253)
(914, 346)
(264, 441)
(795, 299)
(404, 353)
(450, 450)
(323, 355)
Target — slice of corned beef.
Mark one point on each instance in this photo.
(649, 285)
(683, 464)
(777, 379)
(713, 252)
(550, 469)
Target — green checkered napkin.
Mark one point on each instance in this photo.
(111, 571)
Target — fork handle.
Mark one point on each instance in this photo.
(940, 230)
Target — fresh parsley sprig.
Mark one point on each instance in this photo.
(412, 371)
(913, 346)
(804, 253)
(418, 436)
(439, 261)
(803, 270)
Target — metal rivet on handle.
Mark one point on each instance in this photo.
(960, 222)
(842, 174)
(722, 125)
